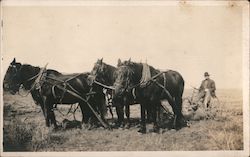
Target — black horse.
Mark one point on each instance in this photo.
(51, 88)
(168, 85)
(106, 74)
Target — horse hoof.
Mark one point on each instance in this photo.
(110, 128)
(55, 128)
(162, 131)
(84, 126)
(127, 126)
(142, 131)
(156, 131)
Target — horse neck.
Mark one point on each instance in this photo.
(153, 71)
(137, 69)
(28, 72)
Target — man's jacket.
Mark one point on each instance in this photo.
(210, 84)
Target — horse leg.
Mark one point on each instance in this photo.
(103, 108)
(149, 117)
(143, 121)
(45, 111)
(82, 110)
(120, 115)
(180, 120)
(156, 117)
(127, 110)
(86, 115)
(51, 114)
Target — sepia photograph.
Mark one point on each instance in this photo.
(124, 78)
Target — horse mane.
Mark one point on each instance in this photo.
(37, 68)
(108, 67)
(30, 68)
(53, 71)
(147, 71)
(134, 64)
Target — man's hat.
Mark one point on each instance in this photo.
(206, 74)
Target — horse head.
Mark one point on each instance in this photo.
(102, 73)
(128, 74)
(10, 78)
(21, 74)
(96, 73)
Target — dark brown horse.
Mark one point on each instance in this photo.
(168, 85)
(106, 74)
(51, 88)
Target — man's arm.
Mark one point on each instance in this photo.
(201, 86)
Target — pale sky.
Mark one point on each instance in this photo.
(190, 40)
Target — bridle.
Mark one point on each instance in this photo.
(94, 76)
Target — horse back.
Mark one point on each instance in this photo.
(174, 82)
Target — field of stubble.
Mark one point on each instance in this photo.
(25, 130)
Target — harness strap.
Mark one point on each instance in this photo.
(134, 93)
(166, 91)
(73, 77)
(65, 85)
(104, 86)
(64, 91)
(33, 77)
(53, 91)
(69, 111)
(89, 105)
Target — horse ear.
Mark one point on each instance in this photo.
(101, 60)
(129, 60)
(14, 61)
(119, 62)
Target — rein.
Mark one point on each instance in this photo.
(151, 79)
(65, 84)
(104, 86)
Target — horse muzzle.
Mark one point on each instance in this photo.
(119, 92)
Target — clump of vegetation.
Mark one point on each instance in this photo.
(26, 136)
(228, 137)
(17, 136)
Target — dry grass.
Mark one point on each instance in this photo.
(24, 130)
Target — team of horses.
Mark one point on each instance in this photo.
(124, 83)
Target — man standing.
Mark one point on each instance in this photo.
(207, 89)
